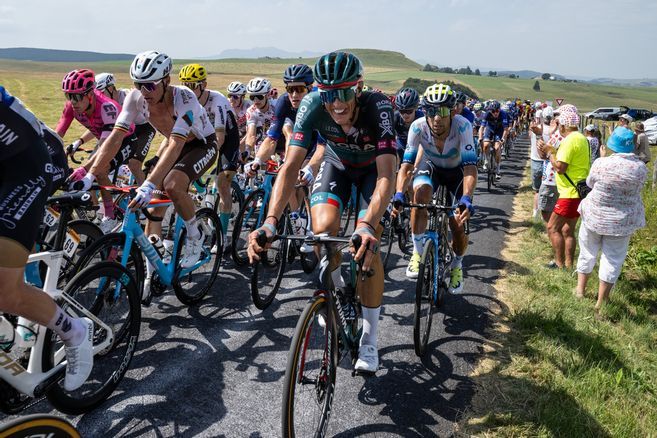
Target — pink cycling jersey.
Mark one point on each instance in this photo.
(101, 122)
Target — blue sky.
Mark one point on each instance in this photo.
(572, 37)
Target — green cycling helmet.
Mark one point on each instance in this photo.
(337, 68)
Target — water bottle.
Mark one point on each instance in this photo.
(6, 334)
(157, 243)
(26, 331)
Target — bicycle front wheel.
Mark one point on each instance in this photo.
(424, 299)
(310, 374)
(107, 291)
(268, 273)
(38, 425)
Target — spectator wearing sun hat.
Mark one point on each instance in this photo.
(571, 163)
(642, 149)
(611, 213)
(594, 144)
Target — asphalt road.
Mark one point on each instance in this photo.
(217, 369)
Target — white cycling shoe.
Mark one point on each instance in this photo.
(80, 358)
(368, 359)
(193, 250)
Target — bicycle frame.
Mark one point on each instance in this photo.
(266, 185)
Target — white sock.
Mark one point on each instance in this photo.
(70, 330)
(192, 229)
(336, 276)
(457, 261)
(370, 325)
(418, 242)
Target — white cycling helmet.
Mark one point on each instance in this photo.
(538, 105)
(547, 113)
(150, 66)
(258, 86)
(237, 88)
(104, 80)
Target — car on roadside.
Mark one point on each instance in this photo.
(607, 113)
(640, 115)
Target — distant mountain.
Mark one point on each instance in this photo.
(261, 52)
(626, 82)
(33, 54)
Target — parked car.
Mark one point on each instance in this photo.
(640, 115)
(607, 113)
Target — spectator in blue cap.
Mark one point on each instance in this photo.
(611, 213)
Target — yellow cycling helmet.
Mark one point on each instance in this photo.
(193, 73)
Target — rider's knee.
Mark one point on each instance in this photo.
(9, 290)
(423, 193)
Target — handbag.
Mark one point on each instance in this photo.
(581, 187)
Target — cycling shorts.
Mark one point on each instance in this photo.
(25, 184)
(490, 135)
(230, 153)
(197, 157)
(127, 150)
(144, 135)
(451, 179)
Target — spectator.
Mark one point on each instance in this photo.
(594, 143)
(571, 161)
(642, 149)
(624, 121)
(547, 192)
(610, 213)
(535, 132)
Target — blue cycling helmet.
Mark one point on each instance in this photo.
(298, 73)
(460, 96)
(337, 69)
(494, 105)
(407, 98)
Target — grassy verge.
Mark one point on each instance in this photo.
(552, 369)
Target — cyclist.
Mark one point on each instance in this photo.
(98, 114)
(259, 115)
(449, 160)
(222, 117)
(357, 127)
(407, 102)
(460, 107)
(25, 183)
(236, 92)
(188, 151)
(494, 129)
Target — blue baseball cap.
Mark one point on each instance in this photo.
(621, 140)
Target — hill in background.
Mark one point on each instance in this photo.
(53, 55)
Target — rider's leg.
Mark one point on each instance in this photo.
(419, 216)
(135, 167)
(498, 156)
(224, 180)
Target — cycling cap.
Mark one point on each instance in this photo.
(150, 66)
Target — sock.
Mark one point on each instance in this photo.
(108, 206)
(224, 218)
(498, 167)
(418, 242)
(370, 325)
(336, 276)
(70, 330)
(457, 261)
(192, 229)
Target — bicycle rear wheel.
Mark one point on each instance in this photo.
(424, 299)
(268, 273)
(310, 374)
(491, 172)
(108, 291)
(248, 219)
(191, 285)
(39, 425)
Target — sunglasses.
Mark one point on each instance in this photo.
(433, 111)
(191, 85)
(75, 97)
(407, 112)
(257, 97)
(495, 111)
(342, 94)
(148, 86)
(299, 89)
(234, 96)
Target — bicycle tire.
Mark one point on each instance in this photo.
(267, 273)
(443, 260)
(404, 239)
(39, 425)
(246, 222)
(125, 336)
(491, 173)
(199, 283)
(424, 299)
(386, 241)
(298, 370)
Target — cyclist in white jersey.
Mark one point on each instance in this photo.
(259, 115)
(188, 151)
(449, 159)
(236, 92)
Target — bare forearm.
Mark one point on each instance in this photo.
(266, 149)
(404, 176)
(469, 180)
(107, 150)
(317, 158)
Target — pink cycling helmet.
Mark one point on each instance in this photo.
(78, 81)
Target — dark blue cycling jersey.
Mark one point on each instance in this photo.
(468, 114)
(496, 125)
(283, 110)
(401, 130)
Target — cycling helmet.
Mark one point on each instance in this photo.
(298, 73)
(237, 88)
(78, 81)
(494, 105)
(478, 106)
(192, 73)
(104, 80)
(505, 108)
(538, 105)
(150, 66)
(407, 98)
(547, 113)
(337, 68)
(439, 95)
(460, 96)
(258, 86)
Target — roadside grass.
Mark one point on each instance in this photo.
(552, 369)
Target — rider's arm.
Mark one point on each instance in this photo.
(469, 179)
(317, 158)
(266, 149)
(65, 120)
(411, 153)
(87, 136)
(468, 161)
(284, 185)
(250, 139)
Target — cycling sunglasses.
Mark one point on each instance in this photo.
(148, 86)
(191, 85)
(75, 97)
(406, 112)
(433, 111)
(257, 96)
(342, 94)
(299, 89)
(234, 96)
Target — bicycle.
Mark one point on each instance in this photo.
(328, 330)
(189, 284)
(490, 170)
(107, 294)
(39, 425)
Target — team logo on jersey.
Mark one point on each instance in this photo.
(188, 117)
(298, 136)
(110, 110)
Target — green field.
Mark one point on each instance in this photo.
(37, 83)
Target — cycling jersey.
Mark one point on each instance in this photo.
(122, 93)
(100, 123)
(401, 130)
(496, 125)
(222, 118)
(283, 111)
(188, 116)
(261, 120)
(60, 169)
(469, 115)
(371, 135)
(240, 115)
(458, 150)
